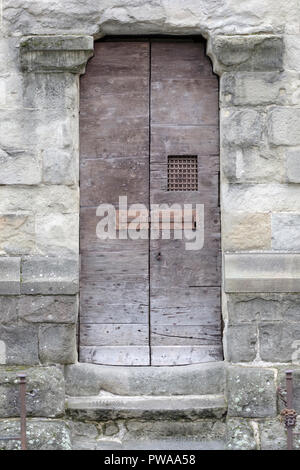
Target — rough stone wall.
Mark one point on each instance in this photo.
(255, 49)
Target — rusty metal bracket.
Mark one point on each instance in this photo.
(288, 414)
(22, 397)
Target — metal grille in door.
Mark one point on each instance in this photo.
(182, 173)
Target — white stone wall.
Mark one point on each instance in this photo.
(255, 49)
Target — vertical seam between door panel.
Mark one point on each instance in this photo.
(149, 218)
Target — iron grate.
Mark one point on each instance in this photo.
(183, 173)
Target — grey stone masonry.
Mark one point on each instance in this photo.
(262, 272)
(251, 392)
(42, 434)
(257, 53)
(56, 54)
(49, 275)
(91, 379)
(10, 276)
(45, 392)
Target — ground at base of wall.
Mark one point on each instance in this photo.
(206, 434)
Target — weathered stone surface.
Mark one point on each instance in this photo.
(241, 127)
(47, 309)
(259, 89)
(284, 126)
(9, 275)
(286, 231)
(251, 392)
(8, 309)
(50, 91)
(20, 344)
(253, 164)
(261, 197)
(59, 166)
(91, 379)
(292, 55)
(38, 309)
(113, 17)
(57, 344)
(244, 231)
(56, 53)
(48, 275)
(209, 434)
(17, 234)
(263, 307)
(19, 166)
(273, 435)
(38, 199)
(57, 234)
(279, 341)
(83, 435)
(241, 343)
(262, 272)
(45, 396)
(252, 53)
(293, 166)
(106, 408)
(42, 434)
(240, 435)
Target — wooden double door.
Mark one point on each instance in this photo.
(149, 131)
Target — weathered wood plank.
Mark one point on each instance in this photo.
(179, 60)
(115, 302)
(183, 307)
(123, 262)
(116, 355)
(103, 181)
(182, 355)
(114, 334)
(194, 101)
(183, 140)
(185, 335)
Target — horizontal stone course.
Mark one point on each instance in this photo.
(262, 272)
(259, 89)
(49, 275)
(263, 307)
(38, 309)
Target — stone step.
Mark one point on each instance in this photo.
(198, 379)
(104, 408)
(151, 444)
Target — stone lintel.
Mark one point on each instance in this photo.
(262, 272)
(64, 54)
